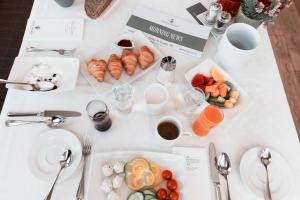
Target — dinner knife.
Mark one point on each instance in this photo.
(213, 170)
(46, 113)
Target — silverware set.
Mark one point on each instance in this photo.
(63, 52)
(220, 165)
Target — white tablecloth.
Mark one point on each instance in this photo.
(266, 121)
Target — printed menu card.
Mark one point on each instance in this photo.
(54, 29)
(169, 31)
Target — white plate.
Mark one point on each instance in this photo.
(45, 154)
(67, 67)
(205, 68)
(139, 40)
(253, 174)
(175, 163)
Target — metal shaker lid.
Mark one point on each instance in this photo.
(168, 63)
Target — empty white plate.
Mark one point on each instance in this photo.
(253, 174)
(46, 151)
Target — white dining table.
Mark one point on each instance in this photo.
(265, 121)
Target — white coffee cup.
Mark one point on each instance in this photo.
(175, 122)
(237, 45)
(156, 97)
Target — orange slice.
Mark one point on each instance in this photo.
(217, 75)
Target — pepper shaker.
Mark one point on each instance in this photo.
(166, 74)
(222, 21)
(212, 13)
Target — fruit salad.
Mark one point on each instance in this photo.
(218, 91)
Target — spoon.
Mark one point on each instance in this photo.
(40, 86)
(265, 158)
(53, 122)
(65, 161)
(224, 167)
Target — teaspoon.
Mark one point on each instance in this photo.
(224, 167)
(53, 122)
(40, 86)
(265, 158)
(65, 161)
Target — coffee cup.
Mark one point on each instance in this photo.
(237, 45)
(156, 97)
(168, 129)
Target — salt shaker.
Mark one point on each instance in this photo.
(212, 13)
(166, 74)
(222, 21)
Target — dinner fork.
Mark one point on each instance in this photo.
(86, 151)
(63, 52)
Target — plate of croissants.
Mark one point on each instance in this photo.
(130, 57)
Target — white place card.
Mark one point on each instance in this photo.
(169, 31)
(54, 29)
(198, 182)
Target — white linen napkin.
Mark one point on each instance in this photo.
(198, 184)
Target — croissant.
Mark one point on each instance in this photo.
(115, 66)
(129, 60)
(97, 68)
(146, 57)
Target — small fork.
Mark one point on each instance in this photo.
(86, 151)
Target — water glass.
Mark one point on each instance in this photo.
(123, 95)
(98, 112)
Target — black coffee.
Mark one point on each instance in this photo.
(168, 130)
(102, 121)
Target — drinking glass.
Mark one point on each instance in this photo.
(98, 112)
(193, 99)
(123, 95)
(210, 117)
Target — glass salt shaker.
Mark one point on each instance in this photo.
(222, 21)
(123, 96)
(212, 13)
(166, 74)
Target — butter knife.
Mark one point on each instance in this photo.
(213, 170)
(46, 113)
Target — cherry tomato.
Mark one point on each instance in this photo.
(167, 174)
(198, 79)
(172, 184)
(174, 195)
(162, 194)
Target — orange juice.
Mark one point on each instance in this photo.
(210, 117)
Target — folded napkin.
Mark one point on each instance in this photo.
(198, 184)
(54, 29)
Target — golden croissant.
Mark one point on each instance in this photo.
(146, 57)
(130, 61)
(115, 66)
(97, 69)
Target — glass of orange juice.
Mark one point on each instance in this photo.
(210, 117)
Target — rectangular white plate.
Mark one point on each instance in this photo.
(205, 68)
(173, 162)
(139, 40)
(67, 67)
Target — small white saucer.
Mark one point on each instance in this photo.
(46, 151)
(253, 174)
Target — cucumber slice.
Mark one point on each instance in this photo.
(149, 197)
(149, 192)
(136, 196)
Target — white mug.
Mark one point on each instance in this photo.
(156, 97)
(174, 121)
(237, 45)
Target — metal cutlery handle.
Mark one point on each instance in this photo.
(12, 82)
(269, 196)
(218, 191)
(48, 197)
(80, 191)
(10, 123)
(34, 49)
(228, 191)
(22, 114)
